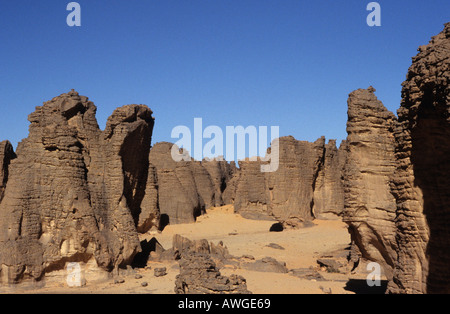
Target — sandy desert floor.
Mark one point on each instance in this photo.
(302, 248)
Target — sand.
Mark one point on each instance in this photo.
(242, 236)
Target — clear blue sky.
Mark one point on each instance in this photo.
(290, 63)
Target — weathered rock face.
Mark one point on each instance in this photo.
(252, 198)
(422, 179)
(307, 183)
(179, 186)
(188, 187)
(370, 162)
(329, 187)
(221, 172)
(6, 155)
(229, 194)
(198, 271)
(150, 214)
(74, 192)
(291, 188)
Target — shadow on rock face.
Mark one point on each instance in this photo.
(164, 221)
(141, 258)
(430, 158)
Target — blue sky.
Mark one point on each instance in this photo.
(287, 63)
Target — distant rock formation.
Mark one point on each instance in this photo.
(421, 182)
(188, 187)
(329, 187)
(221, 172)
(181, 187)
(6, 155)
(306, 184)
(370, 162)
(74, 192)
(150, 216)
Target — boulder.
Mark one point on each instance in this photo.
(199, 273)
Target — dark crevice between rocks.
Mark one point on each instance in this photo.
(134, 152)
(141, 258)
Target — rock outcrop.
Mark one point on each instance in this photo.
(199, 273)
(329, 186)
(306, 184)
(6, 155)
(188, 187)
(221, 172)
(397, 175)
(150, 216)
(421, 182)
(370, 162)
(182, 189)
(74, 192)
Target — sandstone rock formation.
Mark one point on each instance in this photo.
(6, 155)
(329, 187)
(188, 187)
(74, 192)
(221, 173)
(397, 174)
(179, 186)
(150, 215)
(370, 162)
(266, 264)
(421, 182)
(198, 271)
(306, 184)
(199, 275)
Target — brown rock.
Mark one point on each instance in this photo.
(178, 193)
(185, 189)
(421, 182)
(199, 275)
(160, 271)
(74, 192)
(329, 187)
(229, 195)
(370, 162)
(287, 193)
(220, 172)
(266, 264)
(149, 215)
(252, 198)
